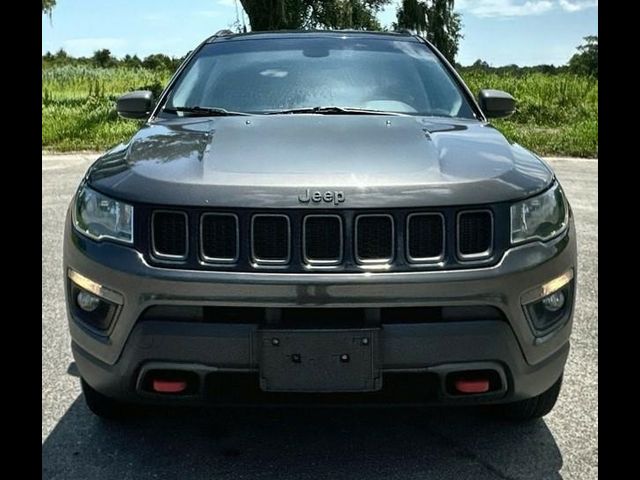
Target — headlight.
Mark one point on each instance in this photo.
(541, 217)
(100, 217)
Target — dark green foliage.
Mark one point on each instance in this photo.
(585, 62)
(103, 58)
(305, 14)
(513, 70)
(412, 15)
(131, 62)
(157, 61)
(435, 20)
(155, 87)
(47, 6)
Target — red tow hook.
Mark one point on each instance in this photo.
(169, 386)
(464, 385)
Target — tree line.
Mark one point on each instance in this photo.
(584, 62)
(435, 20)
(104, 59)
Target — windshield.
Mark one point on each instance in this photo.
(284, 74)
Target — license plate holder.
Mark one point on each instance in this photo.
(319, 360)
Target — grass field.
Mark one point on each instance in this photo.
(556, 114)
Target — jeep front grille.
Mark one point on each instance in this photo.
(302, 240)
(169, 235)
(425, 237)
(475, 234)
(374, 238)
(270, 237)
(219, 237)
(322, 239)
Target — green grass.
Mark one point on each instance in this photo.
(556, 114)
(78, 105)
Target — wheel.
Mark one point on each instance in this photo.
(103, 406)
(532, 408)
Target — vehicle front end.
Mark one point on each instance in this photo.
(366, 256)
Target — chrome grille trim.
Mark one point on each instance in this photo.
(374, 261)
(216, 260)
(280, 237)
(163, 257)
(270, 262)
(479, 255)
(435, 259)
(312, 262)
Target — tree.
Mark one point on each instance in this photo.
(480, 64)
(436, 20)
(103, 58)
(300, 14)
(61, 57)
(158, 61)
(585, 62)
(132, 62)
(47, 6)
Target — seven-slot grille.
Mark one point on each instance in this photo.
(345, 240)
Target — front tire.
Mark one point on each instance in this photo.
(103, 406)
(532, 408)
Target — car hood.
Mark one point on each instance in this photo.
(269, 161)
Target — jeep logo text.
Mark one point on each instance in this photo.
(318, 196)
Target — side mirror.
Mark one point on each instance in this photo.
(135, 105)
(496, 103)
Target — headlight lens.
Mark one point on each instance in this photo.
(100, 217)
(541, 217)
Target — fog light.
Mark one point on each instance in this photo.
(550, 311)
(90, 303)
(554, 302)
(87, 301)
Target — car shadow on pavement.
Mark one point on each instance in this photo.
(302, 442)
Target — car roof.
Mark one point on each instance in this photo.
(227, 35)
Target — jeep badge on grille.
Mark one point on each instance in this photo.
(317, 196)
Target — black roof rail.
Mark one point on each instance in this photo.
(220, 33)
(404, 31)
(223, 33)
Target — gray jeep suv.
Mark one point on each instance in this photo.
(319, 216)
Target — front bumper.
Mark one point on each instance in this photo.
(112, 363)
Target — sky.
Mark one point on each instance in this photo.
(500, 32)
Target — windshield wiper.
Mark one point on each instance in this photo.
(205, 111)
(333, 110)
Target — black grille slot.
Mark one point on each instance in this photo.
(323, 239)
(169, 234)
(219, 236)
(270, 238)
(374, 238)
(425, 236)
(475, 233)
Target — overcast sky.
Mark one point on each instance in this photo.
(501, 32)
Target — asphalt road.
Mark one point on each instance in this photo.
(306, 443)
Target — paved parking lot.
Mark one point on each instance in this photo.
(305, 443)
